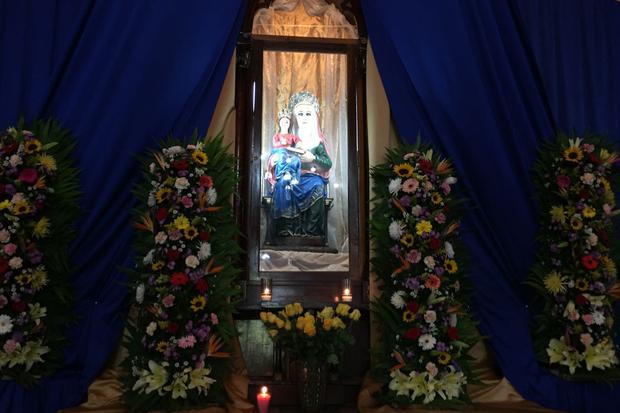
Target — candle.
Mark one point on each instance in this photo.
(265, 289)
(346, 290)
(262, 399)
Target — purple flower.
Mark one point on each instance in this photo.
(405, 201)
(412, 283)
(439, 270)
(441, 346)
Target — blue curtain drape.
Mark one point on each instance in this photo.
(486, 82)
(120, 76)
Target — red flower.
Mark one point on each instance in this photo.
(594, 159)
(413, 306)
(584, 194)
(28, 176)
(202, 286)
(206, 180)
(180, 165)
(4, 265)
(10, 148)
(426, 165)
(172, 328)
(453, 333)
(18, 306)
(581, 300)
(173, 255)
(563, 181)
(179, 278)
(589, 262)
(161, 214)
(204, 236)
(413, 333)
(434, 243)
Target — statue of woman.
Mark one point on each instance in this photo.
(299, 207)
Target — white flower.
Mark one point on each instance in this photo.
(181, 183)
(199, 379)
(427, 341)
(431, 368)
(150, 329)
(140, 293)
(205, 250)
(592, 239)
(173, 150)
(453, 320)
(6, 324)
(394, 186)
(399, 383)
(416, 210)
(571, 312)
(152, 167)
(148, 258)
(587, 178)
(429, 261)
(5, 236)
(152, 380)
(15, 263)
(161, 237)
(211, 196)
(396, 229)
(151, 201)
(450, 180)
(430, 316)
(37, 312)
(397, 299)
(449, 249)
(15, 160)
(192, 261)
(599, 318)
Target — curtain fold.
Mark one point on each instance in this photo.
(486, 83)
(120, 76)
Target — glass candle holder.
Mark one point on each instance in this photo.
(347, 295)
(265, 289)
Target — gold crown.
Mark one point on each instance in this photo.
(303, 97)
(284, 113)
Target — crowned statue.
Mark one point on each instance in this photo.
(298, 174)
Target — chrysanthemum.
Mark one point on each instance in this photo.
(436, 198)
(573, 154)
(162, 194)
(41, 228)
(555, 282)
(47, 162)
(181, 222)
(394, 186)
(609, 265)
(450, 266)
(404, 170)
(423, 227)
(200, 157)
(407, 240)
(588, 212)
(408, 316)
(557, 214)
(198, 303)
(32, 146)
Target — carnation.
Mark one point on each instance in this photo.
(187, 341)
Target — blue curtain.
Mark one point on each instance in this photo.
(486, 82)
(120, 75)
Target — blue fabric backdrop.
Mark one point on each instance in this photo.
(120, 75)
(486, 82)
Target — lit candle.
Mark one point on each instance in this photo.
(265, 285)
(262, 399)
(346, 290)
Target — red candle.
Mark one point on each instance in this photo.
(262, 399)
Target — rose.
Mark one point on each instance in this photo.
(172, 328)
(204, 236)
(413, 333)
(180, 165)
(206, 180)
(413, 306)
(28, 176)
(179, 278)
(563, 181)
(18, 306)
(161, 214)
(434, 243)
(173, 255)
(581, 300)
(453, 333)
(202, 286)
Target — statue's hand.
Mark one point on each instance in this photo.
(307, 157)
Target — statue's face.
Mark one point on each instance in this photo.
(285, 123)
(305, 115)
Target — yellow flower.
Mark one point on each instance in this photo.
(609, 265)
(407, 240)
(555, 282)
(23, 279)
(451, 266)
(21, 207)
(279, 322)
(162, 194)
(573, 154)
(588, 212)
(271, 317)
(404, 170)
(31, 146)
(576, 223)
(157, 265)
(163, 324)
(436, 198)
(343, 309)
(181, 222)
(327, 324)
(298, 308)
(337, 323)
(605, 184)
(423, 227)
(557, 214)
(5, 204)
(291, 310)
(581, 284)
(263, 316)
(200, 157)
(355, 315)
(408, 316)
(301, 322)
(47, 162)
(326, 313)
(272, 333)
(287, 325)
(190, 232)
(198, 303)
(162, 346)
(39, 278)
(443, 358)
(41, 228)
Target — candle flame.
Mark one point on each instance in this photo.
(347, 291)
(263, 390)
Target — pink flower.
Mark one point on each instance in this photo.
(414, 256)
(433, 282)
(588, 319)
(187, 201)
(168, 301)
(187, 341)
(10, 346)
(214, 320)
(28, 176)
(445, 187)
(587, 178)
(586, 339)
(563, 181)
(410, 185)
(9, 249)
(587, 147)
(440, 218)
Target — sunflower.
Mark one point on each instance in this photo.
(407, 240)
(21, 207)
(41, 228)
(404, 170)
(444, 358)
(573, 154)
(47, 162)
(576, 223)
(581, 284)
(190, 232)
(451, 266)
(555, 282)
(436, 198)
(162, 346)
(198, 303)
(157, 265)
(23, 279)
(31, 146)
(200, 157)
(162, 194)
(588, 212)
(408, 316)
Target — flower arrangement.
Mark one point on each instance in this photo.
(183, 281)
(575, 273)
(422, 307)
(319, 337)
(38, 198)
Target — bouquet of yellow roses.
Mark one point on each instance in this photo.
(312, 336)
